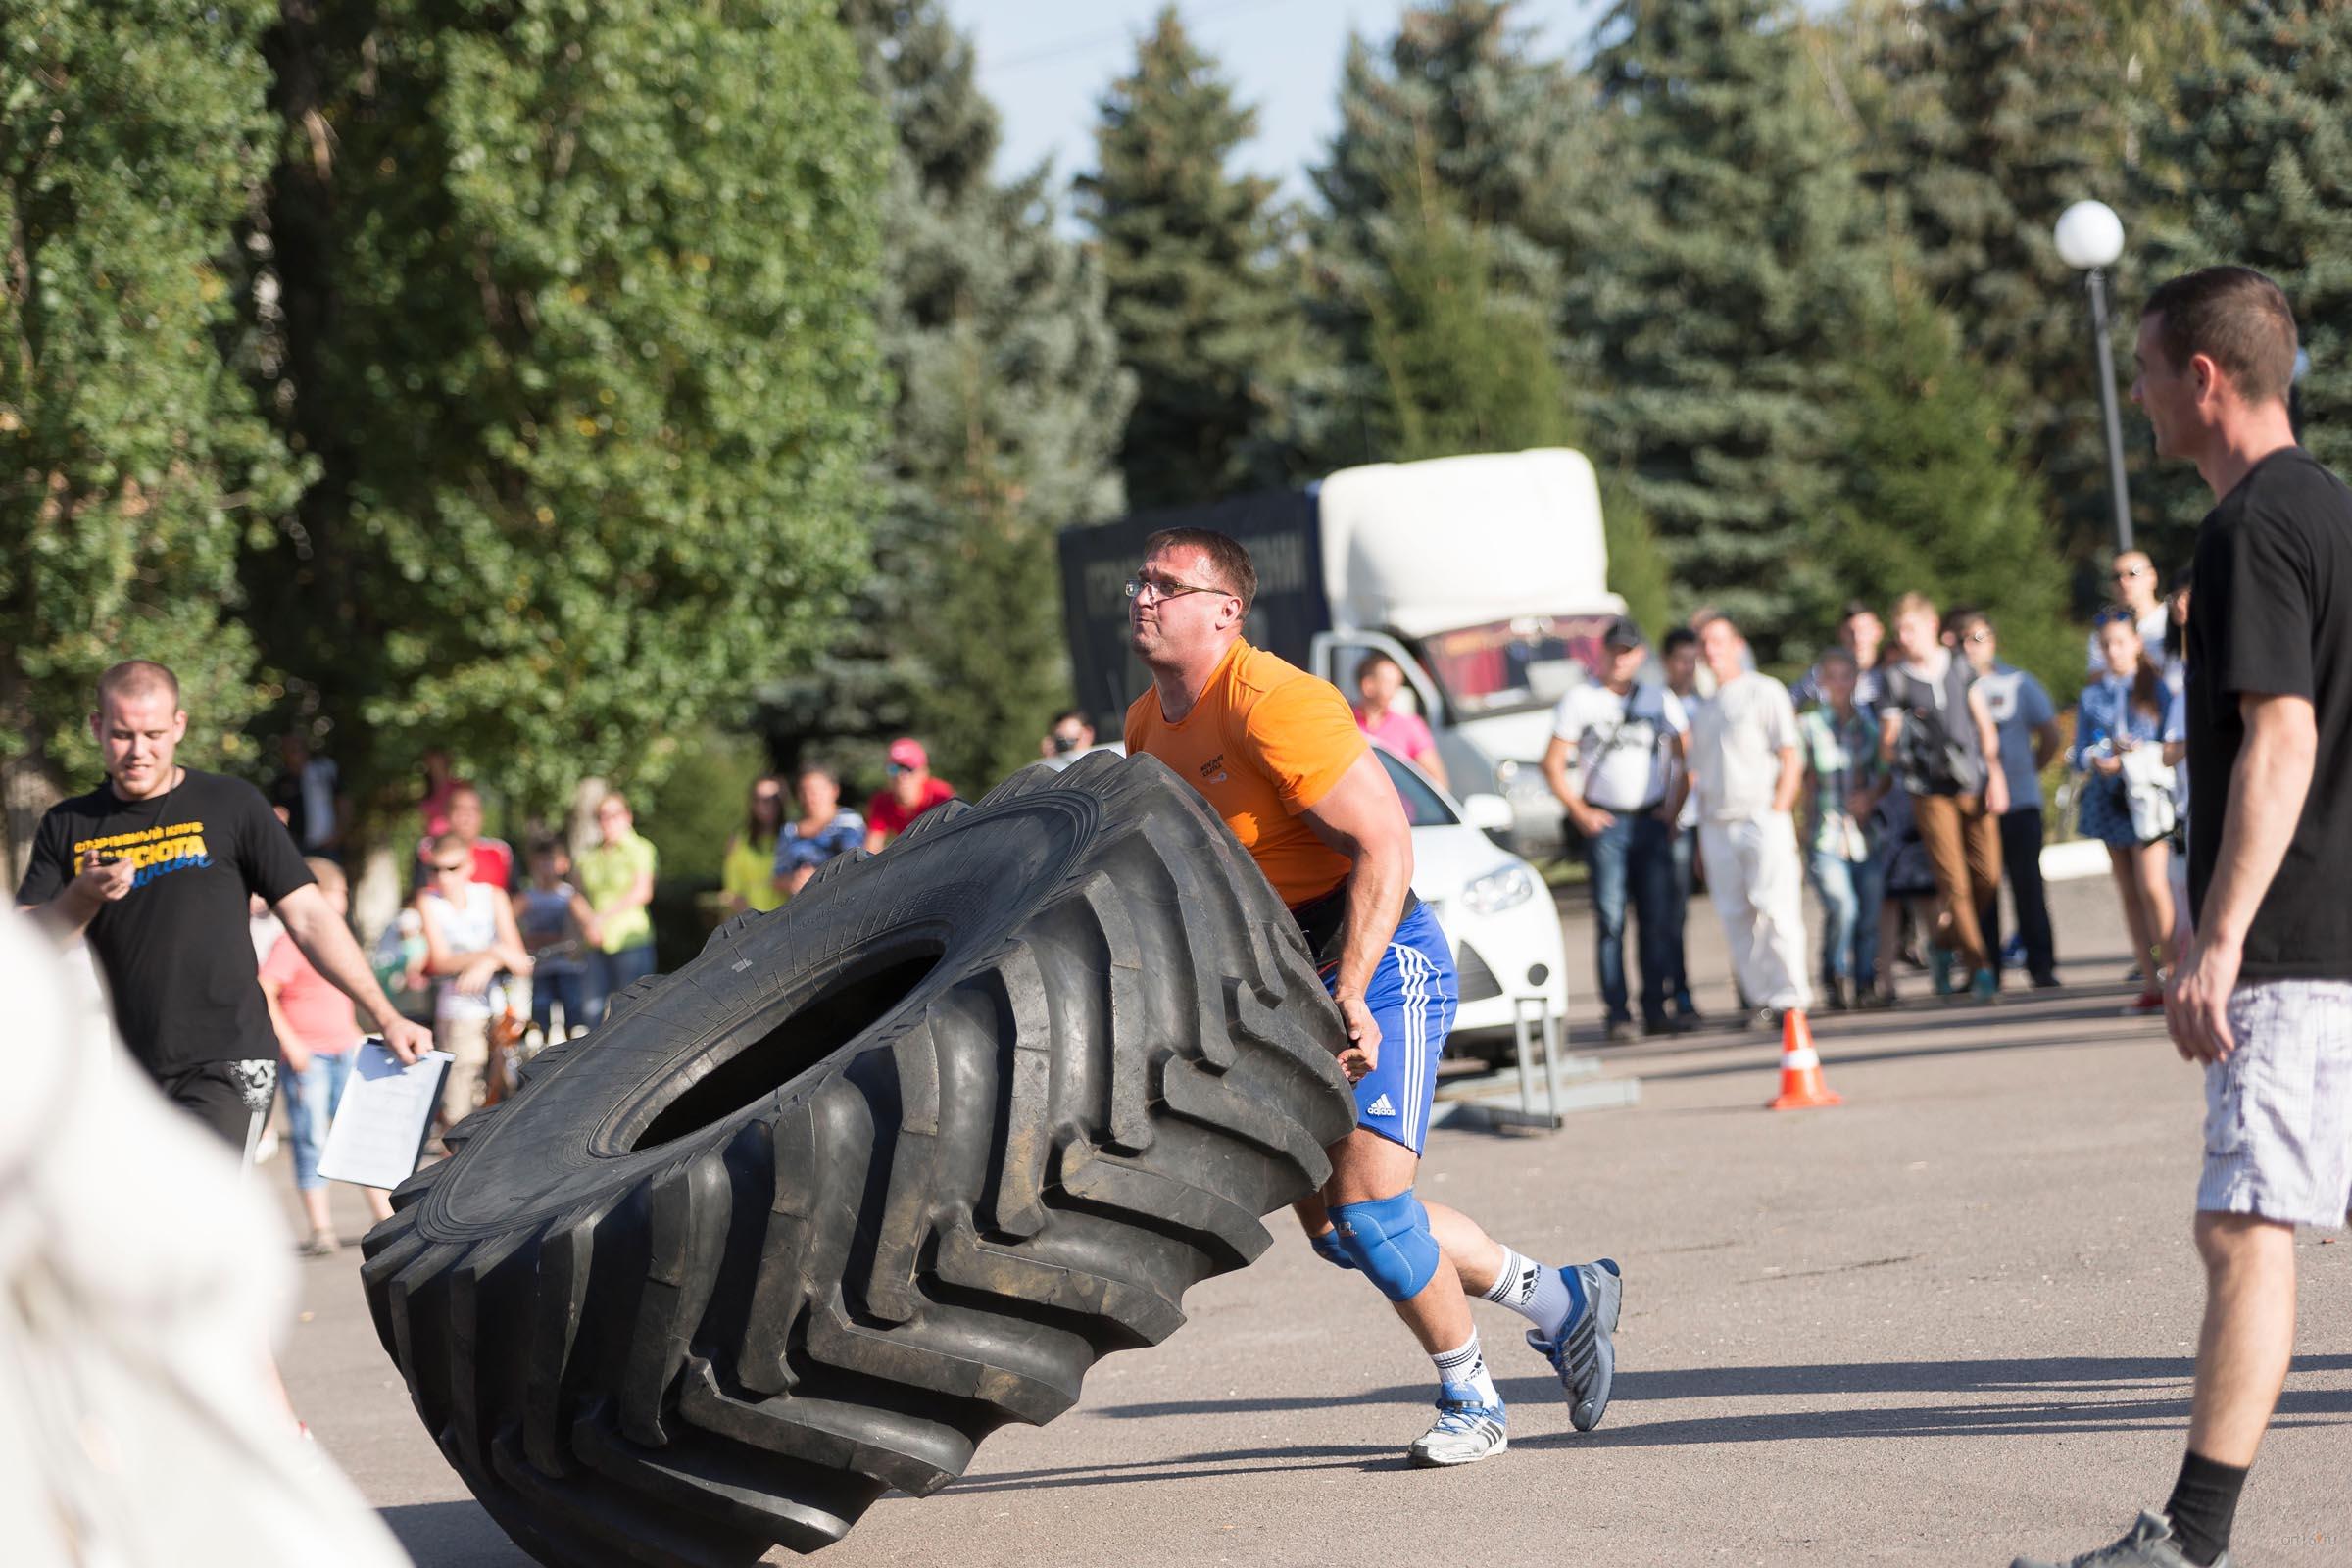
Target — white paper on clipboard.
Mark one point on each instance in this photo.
(380, 1123)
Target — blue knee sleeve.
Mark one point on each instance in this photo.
(1389, 1238)
(1327, 1247)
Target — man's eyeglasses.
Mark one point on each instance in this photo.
(1980, 635)
(1166, 588)
(2127, 573)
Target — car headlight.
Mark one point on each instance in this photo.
(1504, 888)
(1505, 771)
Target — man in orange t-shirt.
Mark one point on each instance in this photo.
(1277, 755)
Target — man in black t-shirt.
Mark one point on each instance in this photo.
(155, 866)
(2263, 994)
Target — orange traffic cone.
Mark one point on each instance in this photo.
(1801, 1086)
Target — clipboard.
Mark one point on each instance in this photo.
(383, 1118)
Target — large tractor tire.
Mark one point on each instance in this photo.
(872, 1176)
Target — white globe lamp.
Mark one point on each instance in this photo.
(2089, 235)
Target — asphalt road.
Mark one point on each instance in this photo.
(1947, 1322)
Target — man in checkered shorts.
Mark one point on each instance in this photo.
(2263, 995)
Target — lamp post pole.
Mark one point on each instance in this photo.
(2088, 238)
(2117, 490)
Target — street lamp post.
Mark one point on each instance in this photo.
(2090, 238)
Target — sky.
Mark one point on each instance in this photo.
(1046, 64)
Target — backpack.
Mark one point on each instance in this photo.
(1931, 754)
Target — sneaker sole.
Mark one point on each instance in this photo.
(1585, 1415)
(1421, 1460)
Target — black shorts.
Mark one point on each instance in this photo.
(224, 1095)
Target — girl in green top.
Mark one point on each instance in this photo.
(746, 876)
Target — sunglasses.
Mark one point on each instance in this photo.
(2116, 618)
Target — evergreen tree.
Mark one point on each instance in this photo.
(1468, 365)
(2254, 158)
(1462, 100)
(2005, 113)
(133, 137)
(1935, 497)
(1206, 314)
(1720, 301)
(1007, 409)
(577, 318)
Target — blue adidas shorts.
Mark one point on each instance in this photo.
(1412, 996)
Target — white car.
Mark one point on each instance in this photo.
(1493, 907)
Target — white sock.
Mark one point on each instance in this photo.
(1536, 1292)
(1466, 1368)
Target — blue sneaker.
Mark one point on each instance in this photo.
(1986, 987)
(1584, 1354)
(1464, 1432)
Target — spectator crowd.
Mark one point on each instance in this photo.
(1904, 783)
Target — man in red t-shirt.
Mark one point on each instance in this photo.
(492, 859)
(910, 791)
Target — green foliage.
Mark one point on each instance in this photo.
(1637, 572)
(1935, 499)
(577, 317)
(1721, 296)
(2005, 113)
(133, 137)
(1461, 101)
(1008, 405)
(2255, 158)
(1205, 309)
(1465, 362)
(700, 803)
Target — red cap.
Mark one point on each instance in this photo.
(907, 752)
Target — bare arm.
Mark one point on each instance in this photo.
(1988, 745)
(875, 838)
(68, 916)
(1363, 819)
(2045, 743)
(319, 932)
(2267, 790)
(510, 949)
(1678, 788)
(1434, 765)
(1588, 819)
(1890, 730)
(297, 1055)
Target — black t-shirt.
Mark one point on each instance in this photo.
(2272, 614)
(176, 950)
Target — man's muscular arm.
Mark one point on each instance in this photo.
(319, 932)
(1363, 819)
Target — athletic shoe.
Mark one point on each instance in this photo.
(2149, 1544)
(1873, 1000)
(1583, 1353)
(1622, 1032)
(1986, 987)
(2145, 1003)
(1464, 1432)
(1765, 1021)
(1939, 970)
(2048, 982)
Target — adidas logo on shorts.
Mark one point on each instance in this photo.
(1381, 1108)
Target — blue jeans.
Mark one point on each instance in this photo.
(310, 1097)
(1678, 978)
(560, 980)
(1633, 856)
(611, 973)
(1851, 892)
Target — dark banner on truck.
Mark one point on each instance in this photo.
(1277, 527)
